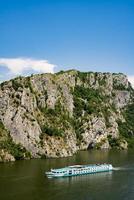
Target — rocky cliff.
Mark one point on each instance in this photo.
(55, 115)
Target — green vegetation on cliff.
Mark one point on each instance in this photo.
(15, 150)
(126, 128)
(51, 131)
(86, 99)
(6, 143)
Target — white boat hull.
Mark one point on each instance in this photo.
(78, 170)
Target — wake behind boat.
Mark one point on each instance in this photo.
(76, 170)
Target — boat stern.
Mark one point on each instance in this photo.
(110, 167)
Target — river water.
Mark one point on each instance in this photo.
(26, 180)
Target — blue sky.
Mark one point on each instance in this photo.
(88, 35)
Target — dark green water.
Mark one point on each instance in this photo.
(25, 180)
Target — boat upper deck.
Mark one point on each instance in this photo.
(81, 167)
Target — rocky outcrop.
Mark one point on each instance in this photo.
(55, 115)
(5, 156)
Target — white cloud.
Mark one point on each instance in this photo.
(131, 80)
(20, 65)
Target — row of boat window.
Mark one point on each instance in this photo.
(91, 169)
(82, 170)
(59, 172)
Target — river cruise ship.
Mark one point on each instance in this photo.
(77, 170)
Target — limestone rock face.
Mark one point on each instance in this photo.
(95, 133)
(122, 98)
(5, 156)
(123, 145)
(120, 80)
(59, 147)
(55, 115)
